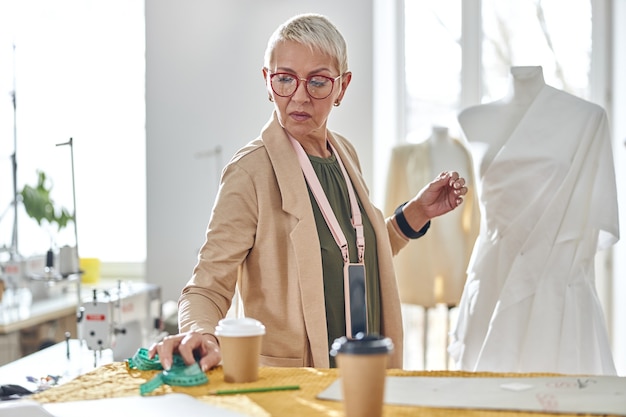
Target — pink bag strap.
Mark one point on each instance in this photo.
(324, 205)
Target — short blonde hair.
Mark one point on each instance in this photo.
(314, 31)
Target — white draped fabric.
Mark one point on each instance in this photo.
(549, 202)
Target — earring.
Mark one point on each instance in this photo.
(336, 103)
(270, 98)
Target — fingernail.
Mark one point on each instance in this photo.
(166, 365)
(204, 367)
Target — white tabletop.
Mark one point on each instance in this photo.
(54, 361)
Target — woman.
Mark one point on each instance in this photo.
(267, 220)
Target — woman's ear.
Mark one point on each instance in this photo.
(270, 97)
(345, 81)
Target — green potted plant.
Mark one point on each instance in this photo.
(40, 206)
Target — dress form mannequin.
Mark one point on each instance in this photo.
(548, 202)
(431, 270)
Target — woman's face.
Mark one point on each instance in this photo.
(301, 115)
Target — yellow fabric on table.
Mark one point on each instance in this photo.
(116, 380)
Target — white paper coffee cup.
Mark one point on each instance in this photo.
(240, 343)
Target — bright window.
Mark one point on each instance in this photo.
(433, 64)
(513, 32)
(77, 69)
(535, 32)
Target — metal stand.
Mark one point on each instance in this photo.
(425, 337)
(71, 143)
(78, 282)
(13, 249)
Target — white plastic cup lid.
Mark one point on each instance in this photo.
(239, 327)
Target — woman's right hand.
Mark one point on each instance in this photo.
(191, 346)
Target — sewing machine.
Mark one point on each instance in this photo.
(122, 319)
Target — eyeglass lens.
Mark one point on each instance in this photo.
(318, 86)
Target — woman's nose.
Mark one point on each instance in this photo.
(301, 94)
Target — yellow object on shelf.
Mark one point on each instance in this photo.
(91, 270)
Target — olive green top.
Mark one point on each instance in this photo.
(331, 178)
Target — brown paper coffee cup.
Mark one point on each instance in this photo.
(362, 366)
(240, 344)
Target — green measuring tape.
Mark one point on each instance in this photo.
(179, 374)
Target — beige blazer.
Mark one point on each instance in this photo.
(263, 220)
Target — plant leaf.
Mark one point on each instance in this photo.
(40, 206)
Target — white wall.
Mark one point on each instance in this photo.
(204, 89)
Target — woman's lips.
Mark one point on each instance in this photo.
(300, 117)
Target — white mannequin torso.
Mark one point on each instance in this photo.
(432, 270)
(489, 125)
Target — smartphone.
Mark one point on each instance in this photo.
(355, 299)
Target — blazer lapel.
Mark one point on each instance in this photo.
(308, 257)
